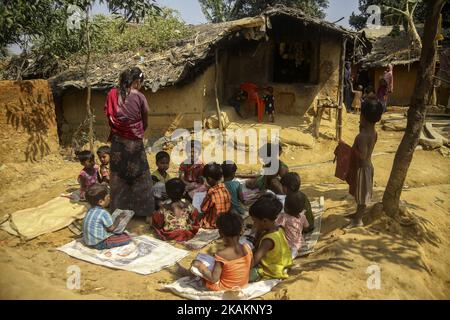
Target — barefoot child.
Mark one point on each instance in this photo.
(361, 166)
(191, 170)
(270, 104)
(217, 200)
(89, 175)
(272, 255)
(233, 186)
(293, 221)
(357, 98)
(232, 264)
(98, 226)
(175, 218)
(103, 154)
(291, 185)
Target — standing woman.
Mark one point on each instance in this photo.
(389, 78)
(127, 111)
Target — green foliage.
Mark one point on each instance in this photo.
(388, 18)
(226, 10)
(111, 34)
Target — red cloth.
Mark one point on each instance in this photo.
(342, 155)
(177, 235)
(252, 93)
(122, 128)
(347, 164)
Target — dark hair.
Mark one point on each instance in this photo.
(85, 155)
(229, 169)
(372, 110)
(266, 207)
(294, 203)
(103, 149)
(96, 192)
(136, 74)
(291, 181)
(162, 155)
(213, 170)
(229, 224)
(126, 78)
(175, 189)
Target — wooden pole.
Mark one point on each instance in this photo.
(88, 85)
(219, 113)
(341, 90)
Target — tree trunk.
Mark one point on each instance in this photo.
(416, 112)
(413, 31)
(88, 85)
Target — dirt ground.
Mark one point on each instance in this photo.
(414, 261)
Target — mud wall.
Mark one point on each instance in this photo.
(27, 121)
(189, 100)
(404, 83)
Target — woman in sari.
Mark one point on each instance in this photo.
(127, 111)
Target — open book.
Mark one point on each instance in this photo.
(124, 222)
(207, 260)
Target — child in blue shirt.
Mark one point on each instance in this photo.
(229, 169)
(98, 226)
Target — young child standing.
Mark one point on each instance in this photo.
(217, 200)
(231, 269)
(175, 218)
(293, 221)
(361, 167)
(382, 93)
(98, 226)
(357, 98)
(291, 183)
(191, 170)
(269, 103)
(273, 255)
(89, 175)
(103, 154)
(229, 169)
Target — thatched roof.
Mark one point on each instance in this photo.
(390, 49)
(184, 59)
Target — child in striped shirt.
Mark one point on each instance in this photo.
(98, 227)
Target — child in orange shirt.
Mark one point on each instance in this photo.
(231, 268)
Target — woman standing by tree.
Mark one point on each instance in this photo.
(127, 112)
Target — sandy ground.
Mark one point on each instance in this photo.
(414, 262)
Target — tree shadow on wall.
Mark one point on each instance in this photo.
(33, 115)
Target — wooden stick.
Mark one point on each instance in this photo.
(219, 113)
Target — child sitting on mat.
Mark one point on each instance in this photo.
(270, 179)
(231, 267)
(89, 175)
(272, 256)
(191, 169)
(175, 218)
(291, 184)
(160, 176)
(233, 186)
(217, 200)
(293, 221)
(103, 154)
(98, 226)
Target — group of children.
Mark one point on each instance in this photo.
(276, 235)
(262, 97)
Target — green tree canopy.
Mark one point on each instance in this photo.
(226, 10)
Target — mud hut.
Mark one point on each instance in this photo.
(390, 47)
(299, 56)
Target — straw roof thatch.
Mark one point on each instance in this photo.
(186, 58)
(390, 49)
